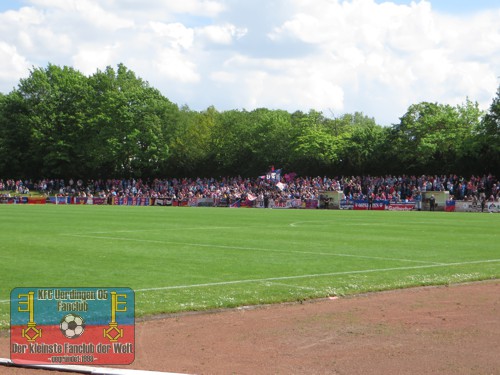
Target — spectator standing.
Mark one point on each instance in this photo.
(370, 201)
(418, 200)
(432, 202)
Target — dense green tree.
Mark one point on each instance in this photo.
(65, 124)
(316, 151)
(365, 146)
(60, 123)
(15, 141)
(429, 138)
(190, 143)
(233, 143)
(488, 138)
(319, 144)
(468, 148)
(49, 107)
(128, 124)
(271, 138)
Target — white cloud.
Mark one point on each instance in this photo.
(17, 27)
(23, 16)
(12, 66)
(90, 58)
(206, 8)
(408, 51)
(221, 34)
(345, 56)
(175, 66)
(88, 11)
(292, 93)
(174, 34)
(287, 84)
(223, 77)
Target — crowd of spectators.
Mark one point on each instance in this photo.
(289, 186)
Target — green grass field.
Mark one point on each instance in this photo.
(179, 259)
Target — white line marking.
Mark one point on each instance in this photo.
(163, 230)
(182, 228)
(250, 248)
(322, 223)
(316, 275)
(311, 276)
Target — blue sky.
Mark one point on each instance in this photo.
(446, 6)
(9, 4)
(372, 56)
(455, 6)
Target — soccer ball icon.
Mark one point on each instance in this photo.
(72, 326)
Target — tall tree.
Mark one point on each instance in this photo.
(364, 150)
(54, 114)
(233, 143)
(16, 160)
(59, 123)
(319, 145)
(129, 124)
(190, 143)
(428, 138)
(488, 146)
(271, 136)
(468, 146)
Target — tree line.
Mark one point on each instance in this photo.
(60, 123)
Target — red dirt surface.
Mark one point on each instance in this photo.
(429, 330)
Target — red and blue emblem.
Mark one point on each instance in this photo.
(77, 326)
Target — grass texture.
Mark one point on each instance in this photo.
(180, 259)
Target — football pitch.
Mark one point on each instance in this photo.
(181, 259)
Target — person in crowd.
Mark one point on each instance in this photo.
(394, 188)
(418, 200)
(370, 201)
(432, 203)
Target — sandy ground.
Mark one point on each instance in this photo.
(430, 330)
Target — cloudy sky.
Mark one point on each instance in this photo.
(372, 56)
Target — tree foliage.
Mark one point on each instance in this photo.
(65, 124)
(488, 143)
(433, 137)
(60, 123)
(129, 123)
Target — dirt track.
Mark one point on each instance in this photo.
(432, 330)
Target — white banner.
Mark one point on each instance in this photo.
(476, 207)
